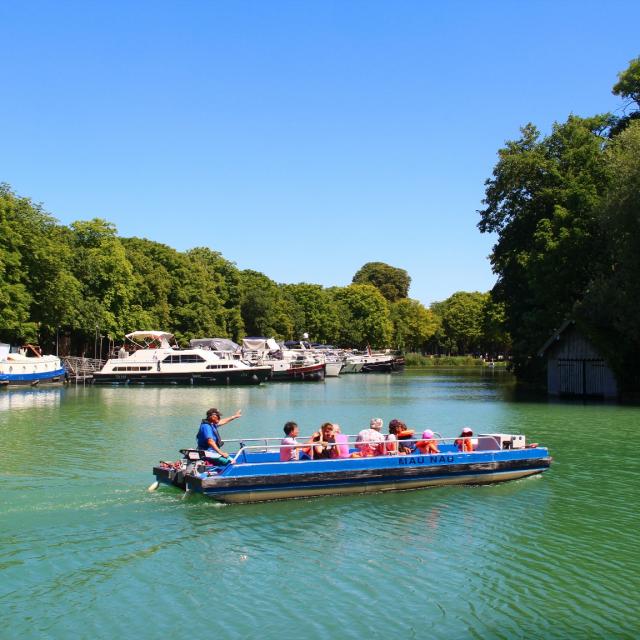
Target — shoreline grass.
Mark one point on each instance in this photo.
(418, 361)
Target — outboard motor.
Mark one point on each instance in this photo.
(195, 459)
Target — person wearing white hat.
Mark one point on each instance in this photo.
(370, 442)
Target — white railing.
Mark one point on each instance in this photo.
(273, 445)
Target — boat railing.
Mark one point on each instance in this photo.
(273, 445)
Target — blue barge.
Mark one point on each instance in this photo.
(257, 474)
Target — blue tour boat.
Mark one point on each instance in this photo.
(257, 474)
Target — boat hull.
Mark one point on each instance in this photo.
(205, 378)
(241, 483)
(332, 369)
(58, 376)
(309, 373)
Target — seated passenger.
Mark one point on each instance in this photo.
(289, 447)
(464, 443)
(370, 442)
(393, 448)
(428, 443)
(325, 442)
(342, 442)
(403, 434)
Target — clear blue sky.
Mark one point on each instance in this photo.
(300, 139)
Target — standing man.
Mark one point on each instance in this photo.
(208, 437)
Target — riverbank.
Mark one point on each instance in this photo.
(418, 361)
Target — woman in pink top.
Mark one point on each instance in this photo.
(342, 442)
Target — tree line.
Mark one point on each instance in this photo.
(566, 210)
(63, 286)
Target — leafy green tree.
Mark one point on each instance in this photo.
(153, 265)
(542, 202)
(463, 320)
(628, 88)
(312, 311)
(628, 85)
(263, 307)
(37, 291)
(392, 282)
(364, 316)
(100, 264)
(496, 339)
(610, 309)
(413, 325)
(226, 280)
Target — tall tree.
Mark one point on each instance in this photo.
(413, 325)
(542, 202)
(610, 309)
(364, 316)
(263, 307)
(463, 321)
(311, 311)
(392, 282)
(628, 88)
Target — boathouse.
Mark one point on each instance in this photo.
(574, 366)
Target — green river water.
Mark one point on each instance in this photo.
(87, 552)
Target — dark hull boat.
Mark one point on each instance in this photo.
(257, 474)
(309, 373)
(153, 359)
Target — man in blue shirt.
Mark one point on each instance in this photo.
(208, 437)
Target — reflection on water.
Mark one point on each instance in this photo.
(29, 398)
(83, 544)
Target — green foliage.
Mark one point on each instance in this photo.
(393, 283)
(610, 309)
(463, 319)
(542, 202)
(100, 264)
(312, 311)
(419, 361)
(628, 85)
(364, 316)
(263, 307)
(413, 324)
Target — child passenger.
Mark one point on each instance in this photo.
(289, 446)
(464, 443)
(427, 444)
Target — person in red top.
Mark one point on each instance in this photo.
(464, 443)
(427, 444)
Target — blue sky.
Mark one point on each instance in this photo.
(300, 139)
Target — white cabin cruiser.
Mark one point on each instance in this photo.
(153, 357)
(286, 364)
(371, 362)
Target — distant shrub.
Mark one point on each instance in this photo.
(418, 361)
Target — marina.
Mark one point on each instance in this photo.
(151, 357)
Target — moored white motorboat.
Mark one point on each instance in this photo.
(286, 364)
(28, 367)
(153, 357)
